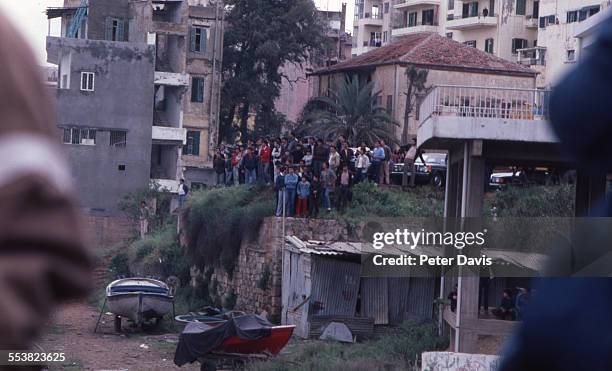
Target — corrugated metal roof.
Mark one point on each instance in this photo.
(533, 261)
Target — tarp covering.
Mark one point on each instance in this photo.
(199, 339)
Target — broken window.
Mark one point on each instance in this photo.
(80, 136)
(197, 89)
(88, 81)
(199, 37)
(193, 143)
(118, 138)
(115, 29)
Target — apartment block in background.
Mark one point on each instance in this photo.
(146, 72)
(560, 27)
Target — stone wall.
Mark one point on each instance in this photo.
(449, 361)
(102, 232)
(265, 254)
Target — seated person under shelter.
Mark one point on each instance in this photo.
(506, 309)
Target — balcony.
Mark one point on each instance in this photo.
(473, 22)
(531, 22)
(410, 3)
(451, 112)
(535, 56)
(369, 19)
(406, 30)
(169, 135)
(171, 79)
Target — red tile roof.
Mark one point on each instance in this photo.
(428, 49)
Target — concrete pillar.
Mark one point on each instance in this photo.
(467, 295)
(590, 192)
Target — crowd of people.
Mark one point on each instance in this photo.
(308, 173)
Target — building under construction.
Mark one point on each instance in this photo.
(138, 93)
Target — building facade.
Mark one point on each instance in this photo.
(559, 28)
(170, 91)
(295, 89)
(449, 63)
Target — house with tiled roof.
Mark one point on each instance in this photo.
(449, 63)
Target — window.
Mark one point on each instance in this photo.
(572, 16)
(470, 10)
(197, 89)
(386, 8)
(376, 12)
(412, 19)
(193, 143)
(199, 37)
(449, 35)
(521, 7)
(88, 80)
(488, 46)
(518, 44)
(536, 9)
(118, 138)
(385, 36)
(115, 29)
(451, 4)
(390, 103)
(80, 136)
(471, 43)
(571, 55)
(427, 17)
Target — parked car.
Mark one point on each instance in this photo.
(433, 171)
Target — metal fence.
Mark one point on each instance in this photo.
(475, 101)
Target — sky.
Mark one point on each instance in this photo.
(29, 17)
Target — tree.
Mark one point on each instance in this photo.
(261, 37)
(416, 78)
(351, 110)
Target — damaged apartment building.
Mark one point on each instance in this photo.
(138, 94)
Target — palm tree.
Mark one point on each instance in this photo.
(351, 111)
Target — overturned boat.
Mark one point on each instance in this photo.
(138, 299)
(242, 335)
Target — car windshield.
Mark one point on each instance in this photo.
(435, 158)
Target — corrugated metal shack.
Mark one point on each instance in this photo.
(322, 283)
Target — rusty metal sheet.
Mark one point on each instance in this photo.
(335, 285)
(375, 299)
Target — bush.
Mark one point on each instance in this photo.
(119, 265)
(533, 201)
(160, 254)
(221, 219)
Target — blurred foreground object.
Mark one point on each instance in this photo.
(42, 257)
(568, 323)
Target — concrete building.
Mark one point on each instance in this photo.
(497, 27)
(295, 89)
(559, 30)
(150, 69)
(449, 63)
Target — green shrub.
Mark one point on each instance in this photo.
(221, 219)
(533, 201)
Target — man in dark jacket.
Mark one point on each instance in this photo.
(250, 163)
(319, 156)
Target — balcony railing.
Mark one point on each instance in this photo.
(417, 24)
(471, 21)
(484, 102)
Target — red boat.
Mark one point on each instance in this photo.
(279, 337)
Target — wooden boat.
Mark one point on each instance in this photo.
(139, 299)
(279, 337)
